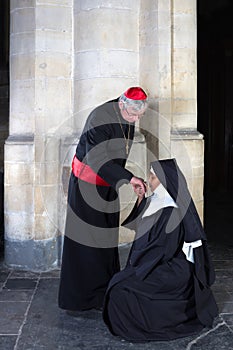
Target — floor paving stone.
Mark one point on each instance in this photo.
(4, 275)
(7, 342)
(12, 315)
(20, 283)
(16, 295)
(31, 320)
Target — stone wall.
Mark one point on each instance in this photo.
(67, 57)
(41, 105)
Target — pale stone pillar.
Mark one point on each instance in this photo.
(156, 73)
(187, 143)
(66, 58)
(41, 101)
(106, 51)
(106, 63)
(168, 68)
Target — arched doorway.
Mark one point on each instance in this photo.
(215, 114)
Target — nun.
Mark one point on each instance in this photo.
(163, 293)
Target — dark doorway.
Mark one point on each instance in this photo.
(215, 114)
(4, 102)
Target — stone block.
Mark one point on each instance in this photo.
(87, 64)
(48, 173)
(33, 255)
(49, 200)
(56, 65)
(45, 228)
(49, 93)
(47, 18)
(102, 4)
(18, 226)
(184, 59)
(196, 188)
(18, 173)
(184, 31)
(61, 3)
(21, 124)
(19, 198)
(22, 43)
(149, 59)
(58, 42)
(185, 85)
(185, 7)
(67, 150)
(164, 20)
(147, 38)
(149, 79)
(126, 195)
(92, 92)
(22, 66)
(184, 121)
(189, 153)
(40, 207)
(137, 162)
(23, 20)
(22, 107)
(111, 63)
(106, 63)
(22, 4)
(113, 30)
(19, 150)
(180, 106)
(47, 149)
(59, 123)
(164, 5)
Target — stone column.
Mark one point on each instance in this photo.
(41, 101)
(106, 51)
(106, 63)
(168, 69)
(155, 73)
(187, 143)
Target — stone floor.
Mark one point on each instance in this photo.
(30, 318)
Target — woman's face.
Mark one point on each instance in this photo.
(153, 182)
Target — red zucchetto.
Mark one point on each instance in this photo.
(135, 93)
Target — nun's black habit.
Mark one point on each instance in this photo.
(160, 294)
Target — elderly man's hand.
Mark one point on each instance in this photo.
(139, 186)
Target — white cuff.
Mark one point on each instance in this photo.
(188, 249)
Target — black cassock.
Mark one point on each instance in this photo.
(160, 295)
(90, 252)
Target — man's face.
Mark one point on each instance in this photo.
(130, 114)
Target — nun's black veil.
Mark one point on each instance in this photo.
(173, 180)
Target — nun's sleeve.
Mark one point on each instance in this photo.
(131, 221)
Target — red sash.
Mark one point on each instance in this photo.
(85, 173)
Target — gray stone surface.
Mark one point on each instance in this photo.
(30, 318)
(33, 255)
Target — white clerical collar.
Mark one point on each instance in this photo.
(158, 200)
